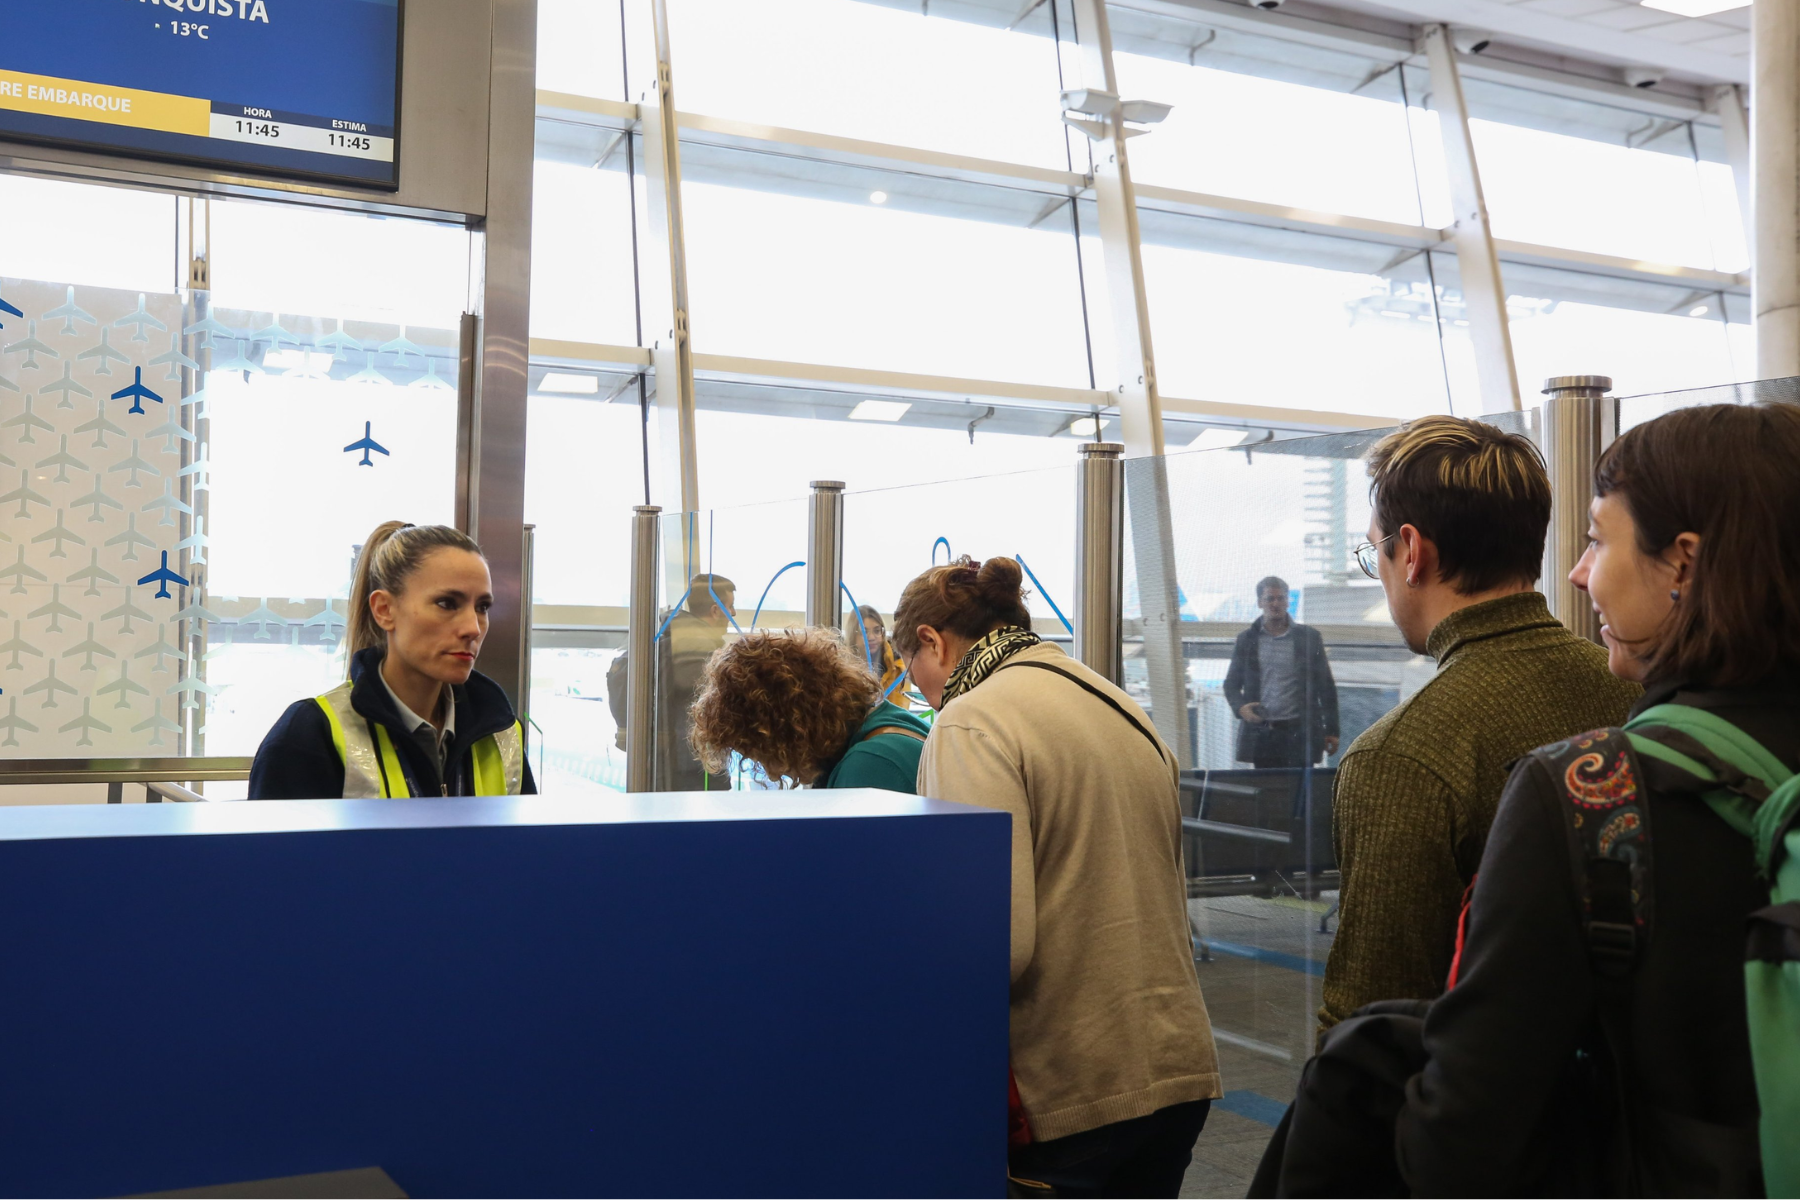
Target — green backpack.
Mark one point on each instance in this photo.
(1757, 796)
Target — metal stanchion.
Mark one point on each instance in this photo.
(640, 649)
(1100, 557)
(525, 618)
(1580, 421)
(825, 553)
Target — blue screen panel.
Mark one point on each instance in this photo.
(305, 88)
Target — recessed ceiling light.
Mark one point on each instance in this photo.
(569, 384)
(877, 197)
(1216, 439)
(879, 410)
(1699, 310)
(1695, 8)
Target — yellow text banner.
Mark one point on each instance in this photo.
(105, 103)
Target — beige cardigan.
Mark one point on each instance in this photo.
(1107, 1018)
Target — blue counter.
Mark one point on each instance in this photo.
(763, 994)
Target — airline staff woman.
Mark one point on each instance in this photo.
(415, 718)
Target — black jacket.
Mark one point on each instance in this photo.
(1243, 684)
(297, 761)
(1481, 1118)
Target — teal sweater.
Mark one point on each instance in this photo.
(887, 760)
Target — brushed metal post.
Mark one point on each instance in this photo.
(526, 560)
(1580, 421)
(1100, 557)
(825, 554)
(640, 648)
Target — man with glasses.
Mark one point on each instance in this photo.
(1280, 687)
(1459, 511)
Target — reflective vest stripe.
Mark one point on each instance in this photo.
(372, 767)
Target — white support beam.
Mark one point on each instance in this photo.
(671, 350)
(1484, 292)
(1734, 124)
(1775, 160)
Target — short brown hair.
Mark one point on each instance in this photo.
(786, 699)
(966, 598)
(1479, 493)
(1728, 473)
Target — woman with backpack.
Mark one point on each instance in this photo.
(1595, 1038)
(803, 707)
(1113, 1068)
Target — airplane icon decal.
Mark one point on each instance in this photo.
(237, 362)
(262, 616)
(94, 500)
(135, 465)
(24, 495)
(157, 724)
(198, 468)
(131, 539)
(10, 311)
(369, 374)
(194, 612)
(196, 542)
(402, 346)
(213, 329)
(163, 577)
(100, 426)
(186, 689)
(56, 610)
(366, 443)
(137, 391)
(126, 611)
(168, 503)
(174, 358)
(13, 721)
(59, 534)
(330, 619)
(30, 421)
(275, 335)
(430, 378)
(198, 396)
(139, 320)
(160, 647)
(86, 722)
(64, 386)
(32, 348)
(93, 573)
(338, 342)
(70, 312)
(123, 684)
(90, 648)
(16, 646)
(62, 460)
(50, 685)
(19, 572)
(103, 350)
(169, 430)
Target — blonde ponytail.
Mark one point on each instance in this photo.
(389, 557)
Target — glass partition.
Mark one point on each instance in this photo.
(1635, 410)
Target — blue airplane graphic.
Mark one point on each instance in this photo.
(137, 391)
(10, 311)
(366, 443)
(163, 577)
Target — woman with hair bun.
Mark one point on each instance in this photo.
(804, 707)
(414, 718)
(1112, 1052)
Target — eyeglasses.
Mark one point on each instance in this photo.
(1365, 556)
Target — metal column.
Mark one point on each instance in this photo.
(1580, 421)
(1775, 160)
(671, 349)
(527, 561)
(640, 650)
(1135, 392)
(495, 491)
(1100, 557)
(1483, 289)
(825, 554)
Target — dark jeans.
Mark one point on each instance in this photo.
(1283, 744)
(1145, 1156)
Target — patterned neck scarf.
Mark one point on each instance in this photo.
(985, 656)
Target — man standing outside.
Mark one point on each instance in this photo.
(686, 644)
(1279, 685)
(1456, 537)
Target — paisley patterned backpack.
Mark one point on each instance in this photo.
(1610, 845)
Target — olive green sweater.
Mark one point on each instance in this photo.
(1417, 790)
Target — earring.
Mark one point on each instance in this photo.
(1675, 594)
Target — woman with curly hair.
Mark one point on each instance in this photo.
(803, 707)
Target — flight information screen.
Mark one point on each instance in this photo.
(307, 88)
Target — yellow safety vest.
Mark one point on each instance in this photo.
(372, 768)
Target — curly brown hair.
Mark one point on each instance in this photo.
(786, 699)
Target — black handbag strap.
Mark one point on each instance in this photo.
(1094, 691)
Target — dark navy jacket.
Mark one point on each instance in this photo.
(297, 761)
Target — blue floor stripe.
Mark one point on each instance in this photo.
(1275, 958)
(1253, 1105)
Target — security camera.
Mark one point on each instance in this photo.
(1470, 41)
(1643, 77)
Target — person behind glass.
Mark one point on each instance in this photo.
(687, 641)
(1280, 686)
(1561, 1062)
(414, 718)
(803, 706)
(1111, 1049)
(867, 637)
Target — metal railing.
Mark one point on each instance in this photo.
(162, 778)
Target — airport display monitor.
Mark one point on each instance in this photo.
(298, 88)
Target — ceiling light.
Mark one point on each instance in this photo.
(879, 410)
(1695, 8)
(1217, 439)
(1699, 310)
(569, 384)
(877, 197)
(1085, 426)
